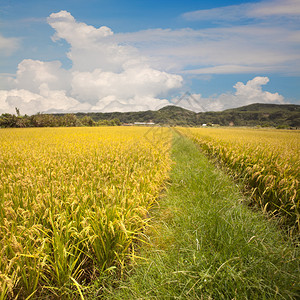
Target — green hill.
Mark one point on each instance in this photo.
(287, 115)
(265, 115)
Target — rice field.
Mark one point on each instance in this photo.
(73, 203)
(267, 162)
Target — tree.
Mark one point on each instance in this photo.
(116, 122)
(41, 120)
(87, 121)
(18, 112)
(69, 120)
(8, 120)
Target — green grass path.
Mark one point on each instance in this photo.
(205, 244)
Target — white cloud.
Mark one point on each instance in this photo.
(32, 74)
(230, 13)
(57, 101)
(75, 33)
(245, 94)
(269, 41)
(276, 8)
(136, 71)
(92, 47)
(105, 75)
(30, 103)
(282, 8)
(8, 45)
(133, 82)
(228, 69)
(111, 104)
(236, 49)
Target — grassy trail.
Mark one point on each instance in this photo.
(204, 244)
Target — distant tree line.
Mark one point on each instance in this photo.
(263, 115)
(49, 120)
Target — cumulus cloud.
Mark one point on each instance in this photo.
(32, 74)
(75, 33)
(245, 94)
(105, 75)
(94, 48)
(29, 102)
(133, 82)
(139, 70)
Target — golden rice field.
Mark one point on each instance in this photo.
(268, 162)
(73, 201)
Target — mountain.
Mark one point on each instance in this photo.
(264, 115)
(268, 108)
(285, 115)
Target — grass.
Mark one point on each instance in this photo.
(205, 244)
(265, 161)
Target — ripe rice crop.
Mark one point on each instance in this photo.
(73, 202)
(268, 161)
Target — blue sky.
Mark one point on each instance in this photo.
(89, 55)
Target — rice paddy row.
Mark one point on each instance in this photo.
(267, 161)
(72, 202)
(204, 244)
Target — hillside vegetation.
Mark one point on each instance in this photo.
(265, 115)
(252, 115)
